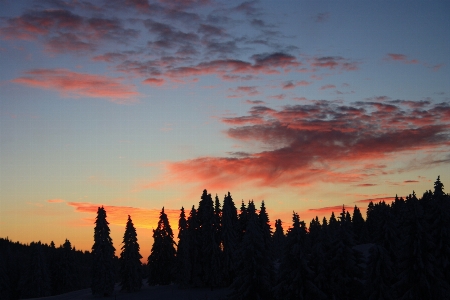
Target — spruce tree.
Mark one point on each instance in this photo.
(210, 244)
(253, 279)
(66, 273)
(183, 265)
(161, 261)
(130, 260)
(194, 248)
(230, 238)
(360, 232)
(296, 279)
(278, 239)
(103, 269)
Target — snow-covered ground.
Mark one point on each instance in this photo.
(166, 292)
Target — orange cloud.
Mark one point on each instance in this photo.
(117, 215)
(55, 200)
(74, 84)
(154, 81)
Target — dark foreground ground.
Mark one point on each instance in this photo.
(166, 292)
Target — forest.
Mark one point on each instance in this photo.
(400, 250)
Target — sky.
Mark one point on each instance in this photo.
(136, 105)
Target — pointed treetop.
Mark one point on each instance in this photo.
(438, 187)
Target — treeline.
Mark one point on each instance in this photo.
(39, 270)
(400, 251)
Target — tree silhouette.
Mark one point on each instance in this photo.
(230, 237)
(130, 260)
(161, 261)
(103, 268)
(183, 264)
(253, 279)
(296, 279)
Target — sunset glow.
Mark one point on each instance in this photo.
(136, 105)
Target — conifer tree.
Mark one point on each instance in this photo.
(130, 260)
(296, 279)
(161, 261)
(230, 237)
(253, 280)
(359, 227)
(243, 220)
(264, 222)
(194, 248)
(183, 265)
(103, 269)
(278, 239)
(210, 245)
(66, 273)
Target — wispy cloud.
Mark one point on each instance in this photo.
(73, 84)
(400, 58)
(318, 141)
(117, 215)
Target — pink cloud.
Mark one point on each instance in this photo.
(74, 84)
(291, 85)
(328, 86)
(303, 143)
(154, 81)
(400, 58)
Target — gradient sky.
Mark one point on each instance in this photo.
(140, 104)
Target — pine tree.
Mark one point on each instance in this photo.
(264, 223)
(230, 237)
(243, 220)
(65, 273)
(183, 264)
(161, 261)
(130, 260)
(103, 269)
(295, 276)
(278, 239)
(253, 279)
(210, 245)
(194, 248)
(359, 227)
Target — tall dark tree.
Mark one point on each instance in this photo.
(66, 272)
(161, 261)
(230, 237)
(253, 279)
(278, 239)
(103, 268)
(243, 220)
(210, 243)
(360, 232)
(194, 246)
(183, 264)
(130, 260)
(264, 222)
(296, 279)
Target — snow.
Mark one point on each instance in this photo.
(167, 292)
